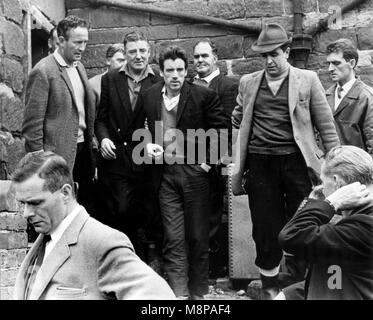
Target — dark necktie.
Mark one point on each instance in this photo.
(35, 266)
(201, 82)
(339, 90)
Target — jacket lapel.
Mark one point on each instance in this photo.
(182, 101)
(122, 89)
(22, 276)
(349, 98)
(59, 254)
(294, 84)
(89, 99)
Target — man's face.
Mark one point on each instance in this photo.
(53, 42)
(276, 61)
(137, 54)
(43, 209)
(174, 73)
(340, 70)
(116, 61)
(330, 183)
(204, 59)
(73, 47)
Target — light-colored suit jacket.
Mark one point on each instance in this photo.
(91, 261)
(51, 118)
(309, 110)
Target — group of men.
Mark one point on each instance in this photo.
(176, 195)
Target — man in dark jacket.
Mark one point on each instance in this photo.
(177, 112)
(118, 117)
(209, 75)
(351, 99)
(335, 235)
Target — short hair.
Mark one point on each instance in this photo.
(46, 165)
(70, 22)
(345, 46)
(113, 49)
(350, 163)
(133, 37)
(214, 49)
(173, 53)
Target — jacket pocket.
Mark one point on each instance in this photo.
(70, 293)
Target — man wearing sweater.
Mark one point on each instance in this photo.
(277, 153)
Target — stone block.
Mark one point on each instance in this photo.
(321, 40)
(12, 221)
(286, 21)
(203, 30)
(11, 72)
(156, 19)
(94, 71)
(366, 75)
(223, 284)
(7, 203)
(244, 66)
(8, 277)
(263, 8)
(365, 58)
(364, 38)
(11, 113)
(317, 61)
(191, 6)
(324, 5)
(72, 4)
(15, 152)
(13, 240)
(247, 43)
(229, 47)
(13, 38)
(116, 17)
(308, 6)
(12, 10)
(94, 56)
(6, 293)
(117, 35)
(227, 9)
(12, 258)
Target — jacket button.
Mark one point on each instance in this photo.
(125, 143)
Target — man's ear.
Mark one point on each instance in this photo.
(339, 182)
(67, 191)
(352, 62)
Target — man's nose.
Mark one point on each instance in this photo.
(331, 67)
(200, 58)
(28, 211)
(82, 47)
(269, 60)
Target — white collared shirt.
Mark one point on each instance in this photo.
(170, 103)
(211, 76)
(346, 88)
(79, 91)
(56, 234)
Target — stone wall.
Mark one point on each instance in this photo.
(108, 25)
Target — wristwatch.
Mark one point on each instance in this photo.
(328, 202)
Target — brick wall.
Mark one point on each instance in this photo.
(236, 58)
(13, 68)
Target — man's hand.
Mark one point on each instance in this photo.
(154, 150)
(107, 149)
(317, 193)
(350, 196)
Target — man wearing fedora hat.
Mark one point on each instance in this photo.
(277, 112)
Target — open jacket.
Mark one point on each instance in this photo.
(51, 119)
(308, 108)
(354, 116)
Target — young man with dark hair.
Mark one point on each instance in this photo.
(175, 108)
(75, 256)
(60, 108)
(350, 99)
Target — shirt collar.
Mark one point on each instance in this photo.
(61, 61)
(348, 85)
(170, 103)
(211, 76)
(56, 234)
(148, 70)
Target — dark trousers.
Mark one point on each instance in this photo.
(82, 174)
(120, 200)
(276, 185)
(184, 203)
